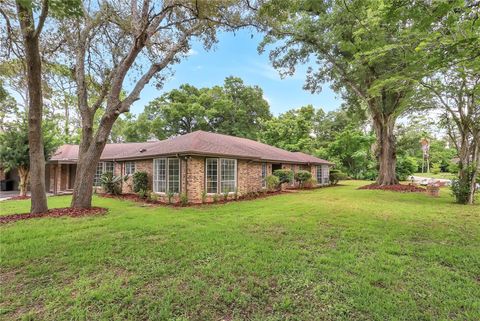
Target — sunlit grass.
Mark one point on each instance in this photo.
(333, 254)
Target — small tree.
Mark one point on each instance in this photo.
(14, 150)
(336, 175)
(302, 177)
(284, 175)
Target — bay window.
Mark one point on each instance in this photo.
(220, 175)
(323, 172)
(166, 175)
(319, 174)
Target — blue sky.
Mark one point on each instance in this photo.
(236, 55)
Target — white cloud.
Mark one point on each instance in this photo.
(192, 52)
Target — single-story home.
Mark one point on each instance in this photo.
(196, 164)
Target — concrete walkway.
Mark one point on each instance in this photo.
(5, 195)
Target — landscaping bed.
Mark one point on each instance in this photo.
(395, 188)
(18, 198)
(56, 212)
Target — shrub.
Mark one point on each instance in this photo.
(272, 182)
(204, 196)
(336, 175)
(453, 168)
(406, 166)
(461, 187)
(310, 183)
(460, 190)
(235, 195)
(184, 199)
(140, 181)
(170, 197)
(111, 184)
(215, 198)
(284, 175)
(153, 197)
(302, 177)
(142, 193)
(436, 168)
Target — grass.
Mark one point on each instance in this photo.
(438, 175)
(327, 254)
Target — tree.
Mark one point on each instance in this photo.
(113, 39)
(356, 47)
(352, 150)
(450, 59)
(26, 14)
(232, 109)
(292, 130)
(14, 148)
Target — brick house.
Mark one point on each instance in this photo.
(196, 164)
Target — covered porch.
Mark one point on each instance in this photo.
(62, 177)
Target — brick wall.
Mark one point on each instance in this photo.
(140, 166)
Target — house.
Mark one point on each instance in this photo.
(196, 164)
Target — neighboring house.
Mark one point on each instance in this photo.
(196, 164)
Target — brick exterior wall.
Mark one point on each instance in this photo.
(192, 177)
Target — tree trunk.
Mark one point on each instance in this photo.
(476, 169)
(35, 109)
(385, 149)
(23, 174)
(89, 155)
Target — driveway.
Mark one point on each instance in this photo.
(427, 180)
(5, 195)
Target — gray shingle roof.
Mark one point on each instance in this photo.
(196, 143)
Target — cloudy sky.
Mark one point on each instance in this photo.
(236, 55)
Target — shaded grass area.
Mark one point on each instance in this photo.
(333, 254)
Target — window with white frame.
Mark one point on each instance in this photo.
(211, 175)
(173, 182)
(220, 175)
(166, 175)
(130, 168)
(102, 167)
(325, 174)
(319, 174)
(264, 175)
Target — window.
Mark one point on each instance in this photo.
(211, 175)
(319, 174)
(102, 167)
(325, 174)
(166, 175)
(174, 175)
(220, 175)
(264, 175)
(130, 168)
(228, 175)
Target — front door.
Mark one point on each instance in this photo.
(72, 172)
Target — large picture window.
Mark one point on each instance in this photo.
(220, 175)
(166, 175)
(102, 167)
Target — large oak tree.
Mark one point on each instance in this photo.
(119, 46)
(355, 46)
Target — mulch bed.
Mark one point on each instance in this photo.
(395, 188)
(17, 198)
(55, 212)
(136, 198)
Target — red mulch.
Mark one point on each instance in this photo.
(395, 188)
(17, 198)
(55, 212)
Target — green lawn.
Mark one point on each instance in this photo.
(439, 175)
(328, 254)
